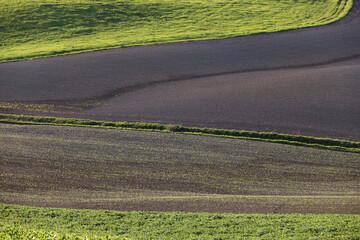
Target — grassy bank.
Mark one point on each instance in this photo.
(33, 29)
(177, 225)
(326, 143)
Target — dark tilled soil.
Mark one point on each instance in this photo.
(299, 82)
(303, 82)
(133, 170)
(323, 101)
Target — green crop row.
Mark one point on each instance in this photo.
(327, 143)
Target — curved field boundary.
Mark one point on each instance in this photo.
(341, 11)
(89, 26)
(325, 143)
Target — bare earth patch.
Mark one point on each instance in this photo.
(133, 170)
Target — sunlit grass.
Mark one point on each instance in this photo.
(39, 28)
(172, 225)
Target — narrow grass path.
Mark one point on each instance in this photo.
(42, 28)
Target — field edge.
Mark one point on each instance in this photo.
(344, 7)
(106, 224)
(297, 140)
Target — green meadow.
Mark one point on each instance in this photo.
(104, 224)
(41, 28)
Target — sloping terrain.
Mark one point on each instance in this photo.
(300, 82)
(42, 28)
(320, 101)
(76, 167)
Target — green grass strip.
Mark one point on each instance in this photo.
(104, 224)
(42, 28)
(325, 143)
(11, 232)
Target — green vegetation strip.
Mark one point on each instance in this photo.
(48, 107)
(41, 28)
(326, 143)
(104, 224)
(15, 232)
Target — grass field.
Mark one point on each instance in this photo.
(172, 225)
(40, 28)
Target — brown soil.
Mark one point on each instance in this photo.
(133, 170)
(303, 82)
(285, 82)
